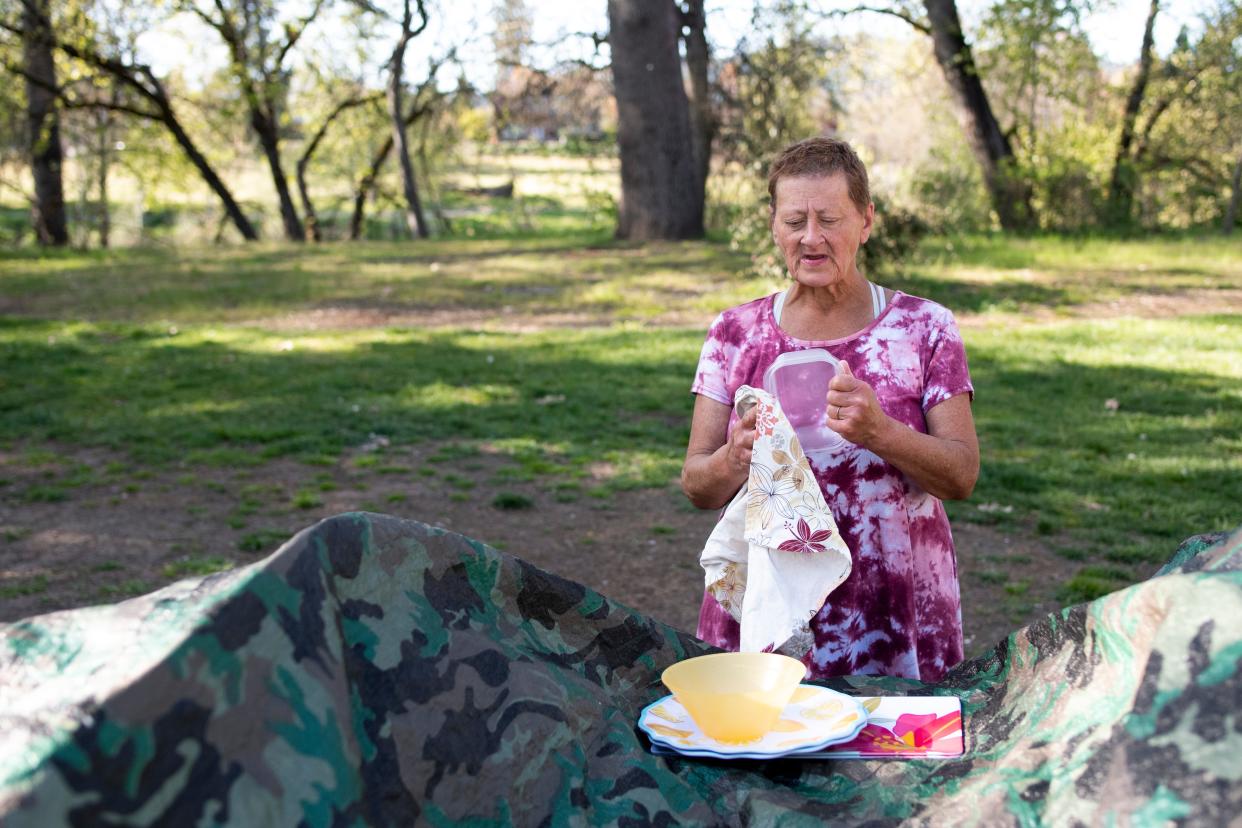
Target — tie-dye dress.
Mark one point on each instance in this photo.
(899, 611)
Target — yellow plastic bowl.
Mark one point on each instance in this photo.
(735, 697)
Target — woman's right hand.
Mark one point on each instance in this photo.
(718, 455)
(741, 442)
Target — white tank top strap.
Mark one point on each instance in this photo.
(778, 305)
(878, 302)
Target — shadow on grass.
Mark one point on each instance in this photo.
(1124, 484)
(539, 275)
(576, 395)
(1160, 467)
(971, 297)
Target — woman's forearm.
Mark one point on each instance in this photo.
(709, 480)
(945, 467)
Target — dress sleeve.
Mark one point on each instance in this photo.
(945, 372)
(714, 360)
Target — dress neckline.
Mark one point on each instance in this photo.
(770, 305)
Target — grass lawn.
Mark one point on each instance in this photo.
(1111, 427)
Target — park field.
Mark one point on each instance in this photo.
(171, 413)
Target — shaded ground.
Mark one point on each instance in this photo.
(82, 526)
(110, 540)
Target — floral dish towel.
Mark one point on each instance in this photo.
(776, 554)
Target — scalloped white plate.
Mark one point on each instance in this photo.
(815, 718)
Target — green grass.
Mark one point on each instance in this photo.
(169, 292)
(125, 589)
(512, 501)
(19, 588)
(1000, 273)
(263, 540)
(171, 358)
(231, 396)
(1131, 482)
(306, 499)
(195, 565)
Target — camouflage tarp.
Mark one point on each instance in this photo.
(379, 672)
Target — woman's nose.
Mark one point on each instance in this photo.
(812, 233)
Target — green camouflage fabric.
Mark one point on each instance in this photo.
(376, 671)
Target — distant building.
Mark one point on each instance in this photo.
(533, 105)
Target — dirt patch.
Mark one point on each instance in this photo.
(343, 316)
(1138, 305)
(112, 534)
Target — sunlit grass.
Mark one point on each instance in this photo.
(1125, 432)
(1113, 438)
(577, 274)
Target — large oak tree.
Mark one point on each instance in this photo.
(43, 124)
(661, 183)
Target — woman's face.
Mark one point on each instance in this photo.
(819, 228)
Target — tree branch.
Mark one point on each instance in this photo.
(58, 91)
(342, 106)
(1187, 90)
(900, 14)
(73, 103)
(424, 20)
(293, 33)
(27, 197)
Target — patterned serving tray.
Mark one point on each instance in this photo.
(814, 718)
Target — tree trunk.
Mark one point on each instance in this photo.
(104, 136)
(365, 185)
(313, 231)
(414, 218)
(698, 60)
(43, 124)
(661, 188)
(1121, 183)
(266, 127)
(148, 87)
(169, 119)
(1010, 196)
(1235, 200)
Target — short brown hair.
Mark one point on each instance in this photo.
(821, 157)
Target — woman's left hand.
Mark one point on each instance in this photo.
(853, 410)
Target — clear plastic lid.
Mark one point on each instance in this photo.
(799, 379)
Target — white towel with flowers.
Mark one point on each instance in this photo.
(776, 553)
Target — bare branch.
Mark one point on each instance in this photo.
(1189, 89)
(891, 11)
(1199, 168)
(373, 9)
(586, 64)
(341, 107)
(69, 101)
(113, 106)
(422, 14)
(294, 32)
(58, 91)
(596, 38)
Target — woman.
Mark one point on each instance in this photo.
(901, 397)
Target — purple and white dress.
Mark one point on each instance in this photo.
(899, 611)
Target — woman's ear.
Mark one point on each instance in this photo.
(868, 222)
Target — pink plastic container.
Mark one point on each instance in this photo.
(799, 380)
